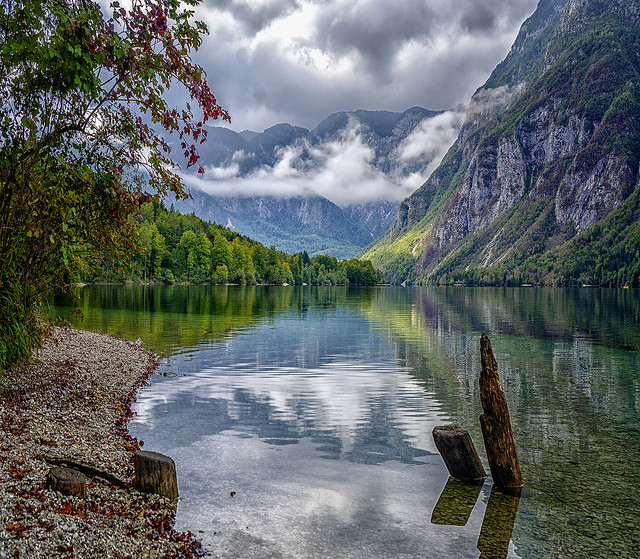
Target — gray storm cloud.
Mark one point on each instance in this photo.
(372, 30)
(297, 61)
(478, 17)
(254, 16)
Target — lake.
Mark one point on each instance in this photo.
(300, 418)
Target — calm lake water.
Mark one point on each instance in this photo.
(300, 419)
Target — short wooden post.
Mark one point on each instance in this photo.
(456, 502)
(456, 448)
(502, 453)
(156, 473)
(67, 481)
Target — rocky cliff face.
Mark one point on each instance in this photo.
(549, 149)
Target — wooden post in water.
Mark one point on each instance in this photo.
(456, 448)
(496, 424)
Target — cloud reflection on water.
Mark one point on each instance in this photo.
(360, 412)
(319, 430)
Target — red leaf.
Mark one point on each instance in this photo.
(17, 527)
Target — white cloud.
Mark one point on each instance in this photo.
(222, 173)
(487, 101)
(346, 173)
(341, 170)
(431, 139)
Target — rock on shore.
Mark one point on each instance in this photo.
(71, 407)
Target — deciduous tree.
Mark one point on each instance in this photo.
(83, 137)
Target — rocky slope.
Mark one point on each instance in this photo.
(549, 150)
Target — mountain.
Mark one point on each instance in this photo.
(296, 223)
(541, 185)
(292, 225)
(382, 131)
(298, 218)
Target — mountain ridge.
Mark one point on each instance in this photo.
(382, 131)
(311, 222)
(552, 151)
(299, 218)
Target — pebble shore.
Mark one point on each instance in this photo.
(71, 406)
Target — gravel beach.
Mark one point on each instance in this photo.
(71, 407)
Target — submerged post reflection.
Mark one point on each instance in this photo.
(456, 503)
(498, 523)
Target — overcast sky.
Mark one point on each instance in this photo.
(297, 61)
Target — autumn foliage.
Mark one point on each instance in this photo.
(84, 129)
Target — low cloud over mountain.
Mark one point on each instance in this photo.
(349, 158)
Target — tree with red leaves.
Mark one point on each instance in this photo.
(84, 124)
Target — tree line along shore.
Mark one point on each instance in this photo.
(178, 248)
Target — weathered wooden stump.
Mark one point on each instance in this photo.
(156, 473)
(456, 448)
(67, 481)
(502, 453)
(456, 502)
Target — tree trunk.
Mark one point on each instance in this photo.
(496, 424)
(456, 447)
(156, 473)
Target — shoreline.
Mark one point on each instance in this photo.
(72, 406)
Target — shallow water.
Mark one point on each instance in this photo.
(300, 418)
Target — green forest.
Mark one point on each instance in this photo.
(177, 248)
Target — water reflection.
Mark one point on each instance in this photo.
(180, 318)
(497, 525)
(456, 503)
(360, 412)
(610, 317)
(572, 393)
(316, 407)
(321, 435)
(289, 504)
